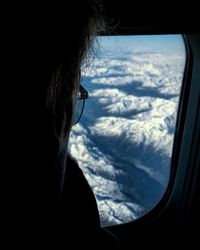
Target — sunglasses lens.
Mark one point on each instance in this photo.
(78, 110)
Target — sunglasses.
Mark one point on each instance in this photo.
(82, 95)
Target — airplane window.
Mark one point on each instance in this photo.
(123, 142)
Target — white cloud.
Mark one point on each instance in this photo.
(114, 212)
(138, 97)
(116, 101)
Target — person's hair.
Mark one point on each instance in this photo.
(44, 49)
(71, 46)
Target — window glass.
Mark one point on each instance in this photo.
(123, 142)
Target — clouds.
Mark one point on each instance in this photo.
(124, 140)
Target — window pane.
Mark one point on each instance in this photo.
(123, 143)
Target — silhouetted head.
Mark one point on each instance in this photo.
(45, 49)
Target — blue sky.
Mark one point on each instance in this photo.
(161, 43)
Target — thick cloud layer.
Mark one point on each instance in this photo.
(123, 142)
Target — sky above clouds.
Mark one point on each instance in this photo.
(123, 142)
